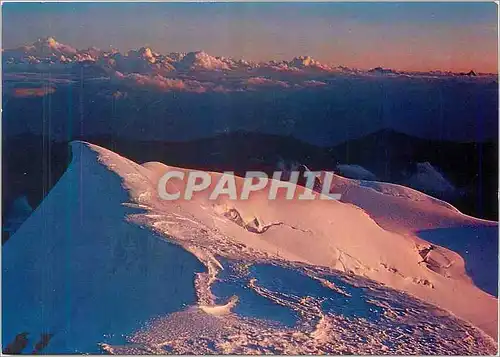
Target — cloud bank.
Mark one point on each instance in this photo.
(196, 72)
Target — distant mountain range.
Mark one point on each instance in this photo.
(392, 157)
(47, 53)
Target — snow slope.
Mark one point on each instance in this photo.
(76, 267)
(371, 232)
(81, 267)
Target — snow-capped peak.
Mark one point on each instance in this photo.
(302, 62)
(48, 44)
(144, 53)
(202, 60)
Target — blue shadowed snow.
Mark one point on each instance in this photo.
(478, 246)
(78, 270)
(250, 304)
(294, 282)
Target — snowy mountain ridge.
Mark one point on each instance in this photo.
(49, 52)
(345, 251)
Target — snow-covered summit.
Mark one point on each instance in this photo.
(49, 45)
(201, 60)
(144, 53)
(97, 210)
(303, 62)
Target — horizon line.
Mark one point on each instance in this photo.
(264, 61)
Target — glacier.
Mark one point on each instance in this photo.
(104, 265)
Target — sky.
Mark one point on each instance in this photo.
(404, 36)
